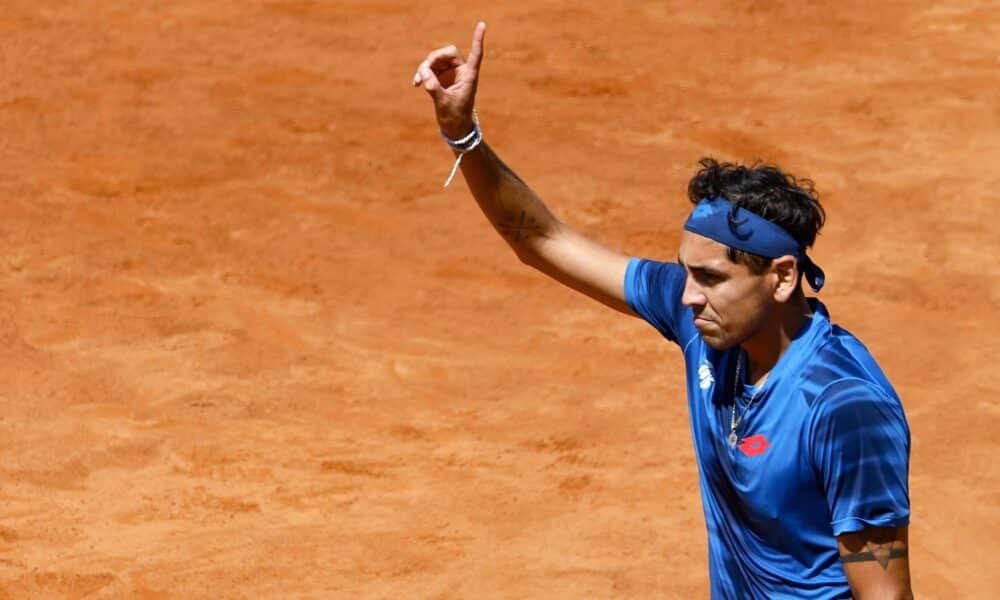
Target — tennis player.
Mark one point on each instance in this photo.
(801, 441)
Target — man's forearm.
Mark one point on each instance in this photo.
(511, 207)
(518, 215)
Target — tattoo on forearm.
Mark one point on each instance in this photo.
(517, 213)
(521, 227)
(880, 553)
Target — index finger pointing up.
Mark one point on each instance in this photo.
(476, 53)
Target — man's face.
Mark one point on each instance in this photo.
(729, 302)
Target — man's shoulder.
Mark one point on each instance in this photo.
(856, 404)
(650, 268)
(653, 291)
(841, 366)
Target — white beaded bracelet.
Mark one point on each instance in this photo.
(464, 145)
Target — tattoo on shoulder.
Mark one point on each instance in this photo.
(880, 553)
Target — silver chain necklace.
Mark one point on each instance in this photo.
(733, 421)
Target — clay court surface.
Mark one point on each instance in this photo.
(250, 348)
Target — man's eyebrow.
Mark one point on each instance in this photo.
(700, 269)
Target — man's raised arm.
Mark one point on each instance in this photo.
(535, 234)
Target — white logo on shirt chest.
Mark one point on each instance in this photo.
(706, 375)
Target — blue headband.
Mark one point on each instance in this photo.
(719, 220)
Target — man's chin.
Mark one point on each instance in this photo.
(716, 343)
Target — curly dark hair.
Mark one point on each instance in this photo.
(767, 191)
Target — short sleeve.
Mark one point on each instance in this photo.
(861, 449)
(653, 290)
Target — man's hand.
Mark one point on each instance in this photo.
(451, 81)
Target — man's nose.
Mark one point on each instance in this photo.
(692, 295)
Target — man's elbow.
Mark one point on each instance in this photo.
(528, 256)
(902, 593)
(899, 591)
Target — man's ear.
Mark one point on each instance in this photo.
(786, 277)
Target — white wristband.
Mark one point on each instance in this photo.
(464, 145)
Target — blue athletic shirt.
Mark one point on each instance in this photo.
(823, 450)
